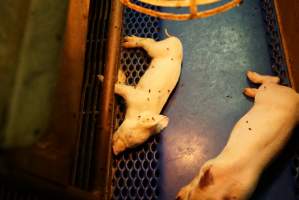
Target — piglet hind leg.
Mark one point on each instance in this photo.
(258, 79)
(127, 92)
(121, 88)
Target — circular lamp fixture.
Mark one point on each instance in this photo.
(194, 13)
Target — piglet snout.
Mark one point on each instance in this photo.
(118, 146)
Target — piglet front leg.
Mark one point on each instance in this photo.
(145, 43)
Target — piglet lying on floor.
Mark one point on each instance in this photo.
(255, 140)
(145, 101)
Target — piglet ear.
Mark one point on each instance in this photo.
(154, 122)
(206, 178)
(161, 122)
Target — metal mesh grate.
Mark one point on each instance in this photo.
(136, 173)
(279, 66)
(94, 65)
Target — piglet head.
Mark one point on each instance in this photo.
(218, 183)
(135, 131)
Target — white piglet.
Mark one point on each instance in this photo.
(145, 101)
(254, 141)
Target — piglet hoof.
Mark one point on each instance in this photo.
(261, 79)
(130, 42)
(130, 38)
(250, 92)
(133, 42)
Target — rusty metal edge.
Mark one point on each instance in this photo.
(293, 77)
(103, 153)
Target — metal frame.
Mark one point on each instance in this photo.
(103, 173)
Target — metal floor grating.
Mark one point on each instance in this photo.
(94, 64)
(136, 173)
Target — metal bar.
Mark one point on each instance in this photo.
(79, 169)
(103, 137)
(193, 8)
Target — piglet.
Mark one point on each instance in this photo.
(145, 101)
(254, 141)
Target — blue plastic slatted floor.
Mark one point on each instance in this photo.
(206, 104)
